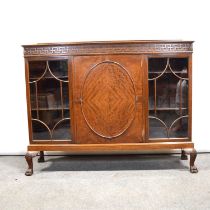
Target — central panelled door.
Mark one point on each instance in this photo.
(108, 99)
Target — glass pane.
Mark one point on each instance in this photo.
(61, 130)
(168, 97)
(157, 129)
(40, 131)
(48, 93)
(59, 69)
(179, 129)
(152, 97)
(50, 117)
(167, 116)
(166, 91)
(49, 96)
(179, 65)
(157, 66)
(37, 70)
(65, 95)
(33, 95)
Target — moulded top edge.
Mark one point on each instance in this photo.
(107, 42)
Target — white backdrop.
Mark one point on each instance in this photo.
(27, 21)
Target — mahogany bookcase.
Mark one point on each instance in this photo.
(109, 96)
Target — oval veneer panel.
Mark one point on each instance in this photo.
(108, 99)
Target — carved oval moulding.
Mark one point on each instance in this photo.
(108, 99)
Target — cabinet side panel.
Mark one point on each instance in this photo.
(28, 99)
(190, 97)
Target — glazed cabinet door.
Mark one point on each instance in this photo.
(169, 91)
(108, 99)
(48, 84)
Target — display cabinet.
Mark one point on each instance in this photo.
(109, 97)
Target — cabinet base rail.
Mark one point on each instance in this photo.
(187, 148)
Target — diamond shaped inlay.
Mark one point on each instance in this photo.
(108, 99)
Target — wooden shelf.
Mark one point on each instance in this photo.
(48, 77)
(50, 109)
(167, 72)
(166, 109)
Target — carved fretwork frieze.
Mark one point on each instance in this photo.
(45, 50)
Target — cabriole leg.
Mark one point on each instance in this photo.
(193, 168)
(183, 155)
(41, 157)
(29, 159)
